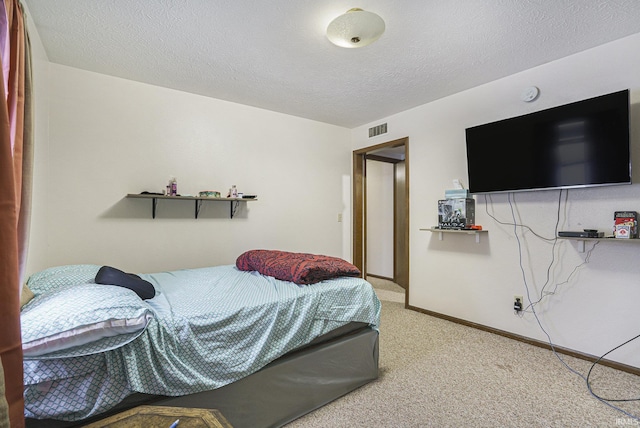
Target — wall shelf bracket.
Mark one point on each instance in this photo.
(154, 204)
(234, 208)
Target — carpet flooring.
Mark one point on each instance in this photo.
(435, 373)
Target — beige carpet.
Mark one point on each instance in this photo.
(435, 373)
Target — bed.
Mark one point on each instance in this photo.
(264, 341)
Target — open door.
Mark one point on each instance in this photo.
(396, 151)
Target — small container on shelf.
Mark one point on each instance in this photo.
(456, 213)
(625, 224)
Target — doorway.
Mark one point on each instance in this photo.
(397, 153)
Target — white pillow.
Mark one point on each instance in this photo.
(57, 277)
(82, 320)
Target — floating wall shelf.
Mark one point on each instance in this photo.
(440, 232)
(581, 241)
(233, 202)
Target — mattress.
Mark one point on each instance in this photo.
(285, 389)
(208, 328)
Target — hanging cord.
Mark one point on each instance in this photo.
(600, 359)
(553, 251)
(488, 197)
(526, 286)
(551, 344)
(544, 294)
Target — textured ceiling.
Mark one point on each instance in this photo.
(275, 55)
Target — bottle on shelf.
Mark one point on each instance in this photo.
(174, 186)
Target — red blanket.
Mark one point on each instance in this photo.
(300, 268)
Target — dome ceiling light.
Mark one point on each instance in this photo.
(355, 29)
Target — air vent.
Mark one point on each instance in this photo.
(377, 130)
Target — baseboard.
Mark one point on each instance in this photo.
(534, 342)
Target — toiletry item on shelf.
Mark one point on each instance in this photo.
(174, 187)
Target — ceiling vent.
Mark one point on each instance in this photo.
(377, 130)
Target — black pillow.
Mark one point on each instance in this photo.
(112, 276)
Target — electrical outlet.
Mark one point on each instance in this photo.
(518, 303)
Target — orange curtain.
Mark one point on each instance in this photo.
(12, 117)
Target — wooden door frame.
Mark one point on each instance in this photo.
(359, 205)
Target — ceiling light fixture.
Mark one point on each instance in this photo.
(355, 29)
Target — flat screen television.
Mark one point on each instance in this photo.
(582, 144)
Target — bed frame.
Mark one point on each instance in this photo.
(282, 391)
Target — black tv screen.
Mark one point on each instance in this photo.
(582, 144)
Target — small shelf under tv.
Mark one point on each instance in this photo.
(440, 232)
(581, 241)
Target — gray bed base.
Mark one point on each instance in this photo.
(282, 391)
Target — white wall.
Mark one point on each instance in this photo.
(37, 253)
(380, 181)
(109, 137)
(597, 309)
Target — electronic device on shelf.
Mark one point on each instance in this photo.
(586, 233)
